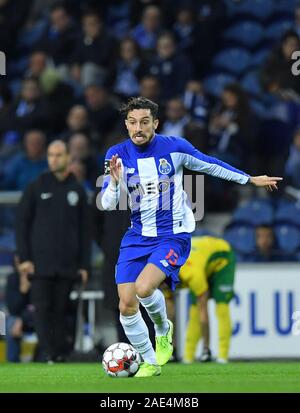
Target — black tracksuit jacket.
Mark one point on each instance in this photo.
(53, 226)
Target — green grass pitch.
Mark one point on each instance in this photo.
(195, 378)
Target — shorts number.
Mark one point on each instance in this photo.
(172, 257)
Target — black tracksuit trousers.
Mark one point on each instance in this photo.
(50, 298)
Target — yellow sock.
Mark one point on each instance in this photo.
(224, 329)
(193, 334)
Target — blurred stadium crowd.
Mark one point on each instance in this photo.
(220, 71)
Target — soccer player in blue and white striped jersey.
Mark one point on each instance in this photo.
(158, 243)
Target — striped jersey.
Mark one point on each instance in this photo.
(152, 176)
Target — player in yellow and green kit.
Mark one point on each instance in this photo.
(208, 273)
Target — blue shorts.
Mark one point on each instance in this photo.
(168, 253)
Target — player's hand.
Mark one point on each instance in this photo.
(84, 276)
(26, 267)
(264, 180)
(115, 169)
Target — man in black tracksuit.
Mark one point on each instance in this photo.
(53, 243)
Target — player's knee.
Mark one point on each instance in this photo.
(143, 289)
(127, 307)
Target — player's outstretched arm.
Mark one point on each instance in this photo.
(195, 160)
(264, 180)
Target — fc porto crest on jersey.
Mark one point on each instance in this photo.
(164, 166)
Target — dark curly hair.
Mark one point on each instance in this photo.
(140, 103)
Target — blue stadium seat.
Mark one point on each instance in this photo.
(234, 60)
(7, 247)
(255, 212)
(241, 237)
(259, 9)
(118, 18)
(288, 213)
(251, 84)
(8, 240)
(201, 232)
(285, 6)
(6, 258)
(288, 238)
(276, 30)
(215, 84)
(277, 134)
(29, 36)
(259, 57)
(240, 257)
(281, 202)
(17, 67)
(246, 33)
(15, 87)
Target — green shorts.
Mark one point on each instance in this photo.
(221, 282)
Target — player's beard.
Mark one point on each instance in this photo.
(142, 145)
